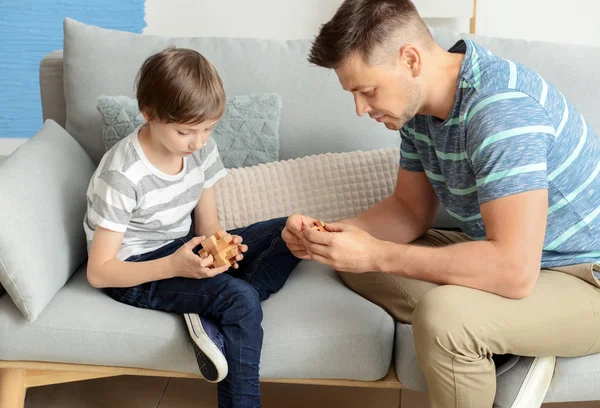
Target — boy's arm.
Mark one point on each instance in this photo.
(206, 216)
(104, 270)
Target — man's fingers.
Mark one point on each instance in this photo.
(318, 249)
(296, 248)
(317, 237)
(303, 254)
(321, 259)
(337, 227)
(296, 223)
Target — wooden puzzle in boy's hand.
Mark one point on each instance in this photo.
(221, 247)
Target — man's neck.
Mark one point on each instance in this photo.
(443, 84)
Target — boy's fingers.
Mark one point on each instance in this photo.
(204, 262)
(219, 270)
(194, 242)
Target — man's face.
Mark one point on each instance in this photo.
(388, 93)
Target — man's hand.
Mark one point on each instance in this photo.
(344, 247)
(294, 227)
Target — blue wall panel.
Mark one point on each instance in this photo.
(29, 29)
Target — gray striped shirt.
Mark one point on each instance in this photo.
(128, 194)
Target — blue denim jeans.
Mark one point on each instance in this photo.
(231, 299)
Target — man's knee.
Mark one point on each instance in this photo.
(442, 317)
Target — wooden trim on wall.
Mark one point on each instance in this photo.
(474, 18)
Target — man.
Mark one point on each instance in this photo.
(511, 160)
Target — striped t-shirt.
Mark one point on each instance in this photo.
(509, 132)
(128, 194)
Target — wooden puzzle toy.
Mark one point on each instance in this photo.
(221, 247)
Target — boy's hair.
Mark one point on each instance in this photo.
(368, 26)
(179, 85)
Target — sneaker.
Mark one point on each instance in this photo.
(209, 347)
(523, 382)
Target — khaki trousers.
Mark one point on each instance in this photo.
(458, 329)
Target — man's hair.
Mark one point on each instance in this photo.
(364, 26)
(179, 85)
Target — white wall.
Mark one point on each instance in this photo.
(289, 19)
(574, 21)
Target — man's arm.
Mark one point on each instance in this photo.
(405, 215)
(507, 264)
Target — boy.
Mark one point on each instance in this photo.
(150, 204)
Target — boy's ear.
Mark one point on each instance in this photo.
(147, 116)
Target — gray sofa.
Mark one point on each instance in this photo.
(316, 330)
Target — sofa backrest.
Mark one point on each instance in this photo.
(317, 116)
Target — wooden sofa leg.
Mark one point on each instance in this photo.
(12, 387)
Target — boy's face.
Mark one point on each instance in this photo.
(182, 139)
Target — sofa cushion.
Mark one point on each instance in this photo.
(314, 327)
(575, 379)
(317, 116)
(42, 242)
(246, 135)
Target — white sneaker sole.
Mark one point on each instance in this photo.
(205, 344)
(536, 384)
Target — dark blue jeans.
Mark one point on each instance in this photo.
(231, 299)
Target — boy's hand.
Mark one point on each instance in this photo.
(291, 234)
(186, 264)
(237, 240)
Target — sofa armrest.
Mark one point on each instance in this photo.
(52, 88)
(327, 186)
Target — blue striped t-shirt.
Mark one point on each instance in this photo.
(509, 132)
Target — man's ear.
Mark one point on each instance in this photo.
(410, 58)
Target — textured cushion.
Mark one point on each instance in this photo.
(327, 186)
(120, 115)
(314, 328)
(317, 116)
(42, 242)
(246, 135)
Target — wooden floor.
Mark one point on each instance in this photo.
(148, 392)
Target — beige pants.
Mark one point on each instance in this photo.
(458, 329)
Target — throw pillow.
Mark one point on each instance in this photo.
(246, 135)
(42, 241)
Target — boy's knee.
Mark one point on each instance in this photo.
(244, 294)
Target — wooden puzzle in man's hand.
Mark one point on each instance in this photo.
(319, 226)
